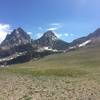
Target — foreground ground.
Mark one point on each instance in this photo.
(14, 87)
(68, 76)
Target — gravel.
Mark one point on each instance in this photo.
(17, 87)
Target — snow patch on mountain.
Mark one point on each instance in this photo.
(84, 43)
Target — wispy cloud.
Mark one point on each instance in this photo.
(29, 33)
(4, 30)
(52, 28)
(67, 34)
(55, 26)
(63, 35)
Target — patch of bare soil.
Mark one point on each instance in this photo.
(16, 87)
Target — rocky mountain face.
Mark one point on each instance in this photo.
(20, 41)
(51, 41)
(91, 39)
(19, 46)
(16, 38)
(17, 41)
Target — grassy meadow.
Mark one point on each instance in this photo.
(67, 76)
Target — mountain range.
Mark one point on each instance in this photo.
(92, 38)
(20, 42)
(49, 40)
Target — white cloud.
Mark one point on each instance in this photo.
(4, 30)
(29, 33)
(66, 34)
(63, 35)
(52, 28)
(71, 34)
(55, 26)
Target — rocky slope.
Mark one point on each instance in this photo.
(16, 38)
(91, 39)
(16, 42)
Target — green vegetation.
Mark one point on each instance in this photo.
(67, 76)
(83, 62)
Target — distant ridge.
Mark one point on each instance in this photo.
(91, 39)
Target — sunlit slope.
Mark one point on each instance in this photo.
(81, 62)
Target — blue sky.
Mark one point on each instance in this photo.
(70, 19)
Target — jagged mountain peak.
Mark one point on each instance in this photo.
(17, 37)
(50, 40)
(49, 35)
(19, 31)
